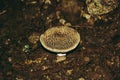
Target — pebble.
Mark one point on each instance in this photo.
(9, 59)
(69, 72)
(87, 59)
(81, 78)
(62, 21)
(60, 58)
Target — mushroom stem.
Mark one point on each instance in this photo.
(61, 54)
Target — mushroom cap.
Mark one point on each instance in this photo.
(99, 7)
(60, 39)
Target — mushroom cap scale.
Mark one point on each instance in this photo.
(60, 39)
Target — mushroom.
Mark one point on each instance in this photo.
(60, 39)
(100, 7)
(70, 10)
(98, 10)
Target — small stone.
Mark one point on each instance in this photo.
(69, 72)
(48, 78)
(44, 67)
(87, 16)
(2, 12)
(83, 48)
(87, 59)
(19, 78)
(9, 59)
(7, 42)
(81, 78)
(62, 21)
(60, 58)
(31, 70)
(47, 2)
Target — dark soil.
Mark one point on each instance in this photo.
(96, 58)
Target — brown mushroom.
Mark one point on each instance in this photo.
(60, 39)
(71, 9)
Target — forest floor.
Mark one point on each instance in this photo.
(96, 58)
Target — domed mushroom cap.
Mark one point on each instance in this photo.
(60, 39)
(99, 7)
